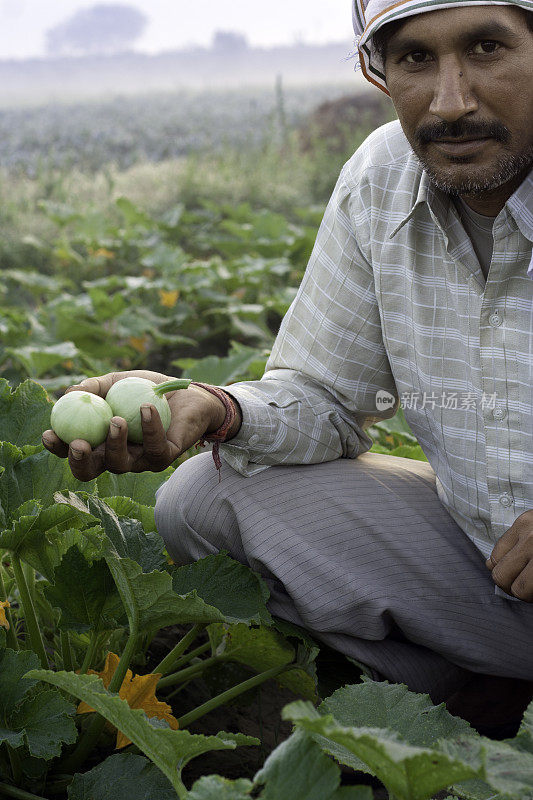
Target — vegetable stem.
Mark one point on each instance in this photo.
(66, 652)
(11, 636)
(168, 662)
(171, 386)
(185, 674)
(230, 694)
(14, 760)
(89, 653)
(6, 790)
(193, 654)
(123, 664)
(30, 618)
(90, 738)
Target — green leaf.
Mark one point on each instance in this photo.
(37, 360)
(397, 424)
(131, 776)
(261, 649)
(125, 507)
(147, 596)
(139, 487)
(157, 605)
(126, 536)
(408, 772)
(33, 473)
(214, 787)
(222, 371)
(506, 768)
(373, 704)
(413, 451)
(85, 594)
(168, 749)
(298, 768)
(45, 721)
(39, 719)
(24, 412)
(233, 588)
(13, 684)
(41, 537)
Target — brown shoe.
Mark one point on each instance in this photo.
(494, 706)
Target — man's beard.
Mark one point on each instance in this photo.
(507, 167)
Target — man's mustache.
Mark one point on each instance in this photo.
(463, 129)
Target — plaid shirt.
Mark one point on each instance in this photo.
(394, 301)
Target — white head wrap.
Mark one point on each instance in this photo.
(370, 15)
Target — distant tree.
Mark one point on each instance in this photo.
(97, 30)
(229, 42)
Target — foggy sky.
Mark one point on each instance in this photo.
(175, 24)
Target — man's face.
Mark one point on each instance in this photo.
(461, 81)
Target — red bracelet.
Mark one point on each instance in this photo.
(220, 434)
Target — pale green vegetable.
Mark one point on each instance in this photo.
(81, 415)
(128, 395)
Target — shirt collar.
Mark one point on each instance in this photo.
(428, 194)
(519, 206)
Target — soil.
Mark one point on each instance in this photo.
(258, 713)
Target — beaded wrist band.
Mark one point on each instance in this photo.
(220, 434)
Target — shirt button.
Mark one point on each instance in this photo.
(254, 438)
(495, 320)
(506, 499)
(499, 412)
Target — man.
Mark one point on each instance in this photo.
(419, 288)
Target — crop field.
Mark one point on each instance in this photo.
(134, 237)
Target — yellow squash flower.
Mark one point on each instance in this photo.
(138, 691)
(3, 619)
(168, 299)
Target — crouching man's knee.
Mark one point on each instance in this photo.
(188, 511)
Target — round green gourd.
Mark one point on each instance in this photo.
(126, 398)
(81, 415)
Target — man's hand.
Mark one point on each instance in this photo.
(511, 561)
(195, 412)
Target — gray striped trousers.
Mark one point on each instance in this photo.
(362, 554)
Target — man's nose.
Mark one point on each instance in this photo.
(453, 96)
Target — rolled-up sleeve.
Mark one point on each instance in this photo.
(318, 393)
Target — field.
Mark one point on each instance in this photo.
(171, 233)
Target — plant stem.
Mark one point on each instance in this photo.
(171, 386)
(230, 694)
(90, 738)
(14, 760)
(11, 636)
(66, 652)
(168, 662)
(185, 674)
(30, 619)
(193, 654)
(180, 688)
(123, 664)
(6, 790)
(29, 574)
(89, 653)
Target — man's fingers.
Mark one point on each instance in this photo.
(508, 568)
(118, 458)
(503, 546)
(85, 463)
(522, 586)
(54, 444)
(158, 451)
(99, 385)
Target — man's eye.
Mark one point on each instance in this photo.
(485, 48)
(416, 57)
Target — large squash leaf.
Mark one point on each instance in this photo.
(131, 776)
(169, 750)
